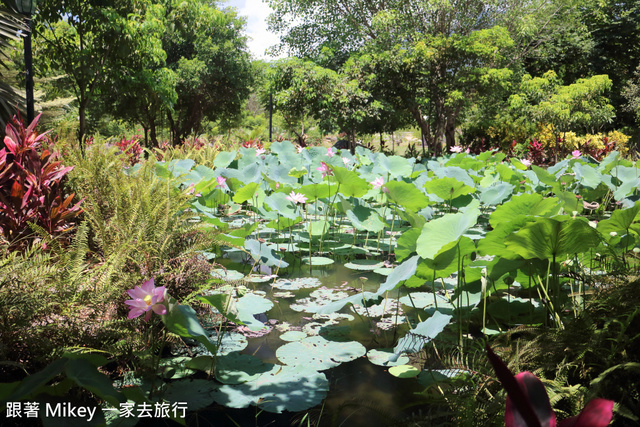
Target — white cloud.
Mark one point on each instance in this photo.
(256, 12)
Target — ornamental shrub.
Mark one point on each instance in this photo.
(31, 185)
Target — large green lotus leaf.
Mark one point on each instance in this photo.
(317, 228)
(365, 219)
(417, 337)
(293, 336)
(493, 242)
(620, 220)
(441, 234)
(227, 275)
(394, 165)
(381, 357)
(201, 174)
(406, 195)
(284, 388)
(457, 173)
(448, 188)
(446, 262)
(224, 303)
(317, 260)
(406, 244)
(249, 173)
(625, 173)
(509, 309)
(350, 182)
(180, 167)
(547, 237)
(404, 371)
(318, 353)
(183, 321)
(224, 158)
(364, 264)
(399, 274)
(297, 172)
(245, 193)
(318, 191)
(265, 253)
(587, 175)
(278, 202)
(249, 305)
(524, 204)
(196, 393)
(626, 189)
(237, 368)
(570, 202)
(496, 194)
(213, 198)
(544, 176)
(424, 300)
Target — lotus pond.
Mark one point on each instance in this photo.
(340, 276)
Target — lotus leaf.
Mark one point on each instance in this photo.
(404, 371)
(196, 393)
(547, 238)
(317, 300)
(406, 195)
(284, 388)
(295, 284)
(246, 193)
(265, 253)
(228, 275)
(365, 219)
(350, 182)
(317, 260)
(293, 336)
(237, 368)
(424, 299)
(364, 264)
(399, 274)
(318, 353)
(448, 188)
(385, 308)
(224, 158)
(524, 204)
(381, 357)
(231, 342)
(424, 332)
(496, 194)
(443, 233)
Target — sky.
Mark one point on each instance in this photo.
(256, 12)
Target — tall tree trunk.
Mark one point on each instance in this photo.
(425, 129)
(152, 132)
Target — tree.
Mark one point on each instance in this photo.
(431, 58)
(208, 56)
(92, 41)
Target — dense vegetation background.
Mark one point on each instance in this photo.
(461, 72)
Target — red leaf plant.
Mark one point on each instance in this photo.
(31, 188)
(528, 403)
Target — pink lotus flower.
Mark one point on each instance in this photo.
(260, 151)
(221, 182)
(296, 198)
(526, 162)
(330, 152)
(377, 183)
(576, 154)
(325, 169)
(456, 149)
(346, 161)
(299, 149)
(146, 299)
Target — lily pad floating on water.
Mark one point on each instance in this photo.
(284, 388)
(230, 342)
(383, 271)
(425, 299)
(385, 308)
(318, 353)
(317, 260)
(236, 368)
(293, 336)
(228, 275)
(318, 299)
(196, 393)
(404, 371)
(296, 284)
(364, 264)
(381, 357)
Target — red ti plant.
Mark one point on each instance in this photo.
(31, 185)
(528, 403)
(536, 153)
